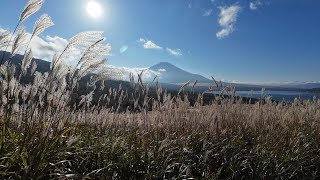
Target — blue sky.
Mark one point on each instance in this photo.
(259, 40)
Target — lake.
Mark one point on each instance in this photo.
(280, 95)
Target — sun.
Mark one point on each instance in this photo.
(94, 9)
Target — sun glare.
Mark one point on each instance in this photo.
(94, 9)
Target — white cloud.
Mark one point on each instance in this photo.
(162, 70)
(175, 52)
(254, 5)
(207, 12)
(147, 44)
(45, 48)
(2, 30)
(227, 19)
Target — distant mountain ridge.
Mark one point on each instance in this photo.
(174, 75)
(170, 74)
(302, 85)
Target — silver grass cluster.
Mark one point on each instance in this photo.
(32, 93)
(91, 58)
(92, 82)
(90, 66)
(3, 97)
(32, 7)
(86, 99)
(26, 61)
(42, 24)
(54, 61)
(94, 51)
(34, 67)
(60, 71)
(183, 87)
(9, 86)
(80, 41)
(59, 98)
(3, 71)
(51, 87)
(39, 78)
(85, 39)
(107, 73)
(18, 40)
(38, 81)
(14, 88)
(25, 92)
(7, 71)
(4, 39)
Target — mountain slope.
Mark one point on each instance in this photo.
(42, 66)
(170, 74)
(173, 74)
